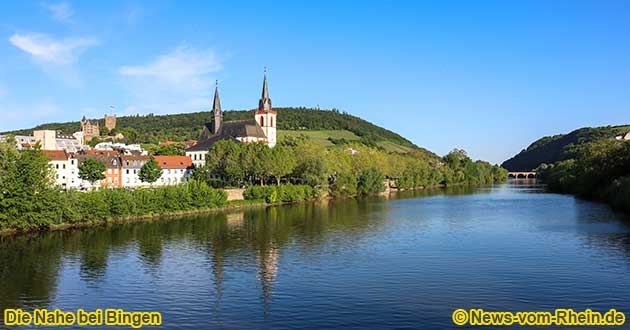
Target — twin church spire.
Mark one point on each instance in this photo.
(264, 104)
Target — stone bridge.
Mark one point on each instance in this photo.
(522, 175)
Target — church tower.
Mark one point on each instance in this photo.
(216, 111)
(266, 116)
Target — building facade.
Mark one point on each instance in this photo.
(131, 166)
(175, 169)
(110, 122)
(90, 129)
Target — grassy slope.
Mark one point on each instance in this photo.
(551, 149)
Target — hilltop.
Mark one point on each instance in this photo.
(551, 149)
(324, 126)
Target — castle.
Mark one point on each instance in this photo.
(92, 129)
(260, 128)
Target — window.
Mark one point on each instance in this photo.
(64, 166)
(262, 121)
(72, 162)
(271, 121)
(57, 166)
(127, 173)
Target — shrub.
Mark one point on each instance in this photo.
(282, 193)
(370, 181)
(345, 185)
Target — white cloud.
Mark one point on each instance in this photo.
(61, 12)
(179, 81)
(57, 58)
(45, 49)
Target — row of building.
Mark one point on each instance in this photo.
(121, 171)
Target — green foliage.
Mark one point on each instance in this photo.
(181, 127)
(370, 181)
(345, 185)
(92, 170)
(282, 193)
(25, 197)
(461, 169)
(600, 170)
(551, 149)
(150, 171)
(28, 201)
(176, 149)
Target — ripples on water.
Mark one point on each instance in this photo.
(403, 262)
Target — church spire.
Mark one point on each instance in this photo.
(217, 114)
(216, 105)
(265, 102)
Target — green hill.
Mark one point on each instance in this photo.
(551, 149)
(325, 126)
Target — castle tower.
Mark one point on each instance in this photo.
(216, 111)
(266, 116)
(110, 122)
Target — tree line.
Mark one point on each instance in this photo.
(600, 170)
(342, 170)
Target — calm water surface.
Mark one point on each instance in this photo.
(403, 262)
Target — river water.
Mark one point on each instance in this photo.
(407, 261)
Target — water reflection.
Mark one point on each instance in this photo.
(398, 243)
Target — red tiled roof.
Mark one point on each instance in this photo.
(55, 154)
(168, 143)
(174, 161)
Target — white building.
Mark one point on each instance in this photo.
(127, 149)
(131, 166)
(175, 169)
(58, 163)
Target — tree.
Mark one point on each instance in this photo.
(176, 149)
(281, 163)
(150, 171)
(370, 181)
(92, 170)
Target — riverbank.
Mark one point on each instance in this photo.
(235, 204)
(231, 205)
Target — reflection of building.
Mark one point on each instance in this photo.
(261, 128)
(268, 262)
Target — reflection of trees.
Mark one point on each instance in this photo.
(29, 266)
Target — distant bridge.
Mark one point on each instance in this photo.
(522, 175)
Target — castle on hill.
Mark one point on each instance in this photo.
(259, 129)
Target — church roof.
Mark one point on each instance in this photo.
(230, 130)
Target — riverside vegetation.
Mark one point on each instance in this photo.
(600, 170)
(297, 169)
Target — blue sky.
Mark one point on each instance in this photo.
(486, 76)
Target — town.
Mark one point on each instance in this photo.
(123, 162)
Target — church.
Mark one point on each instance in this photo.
(260, 128)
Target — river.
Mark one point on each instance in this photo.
(406, 261)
